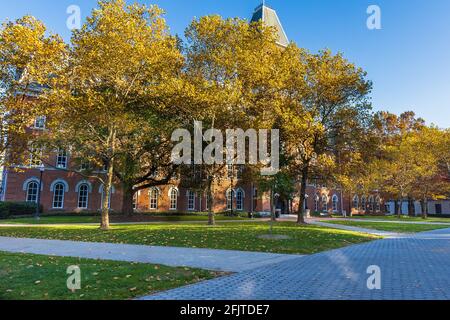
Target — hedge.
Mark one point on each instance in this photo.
(9, 209)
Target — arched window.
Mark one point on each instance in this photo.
(239, 200)
(371, 204)
(154, 194)
(58, 196)
(173, 199)
(356, 202)
(32, 191)
(378, 204)
(316, 203)
(364, 203)
(229, 197)
(83, 196)
(335, 203)
(324, 203)
(191, 200)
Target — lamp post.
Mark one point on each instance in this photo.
(38, 207)
(232, 191)
(307, 212)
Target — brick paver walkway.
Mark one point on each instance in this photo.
(414, 267)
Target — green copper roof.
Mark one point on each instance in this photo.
(270, 18)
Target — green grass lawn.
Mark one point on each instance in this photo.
(403, 218)
(389, 226)
(233, 236)
(96, 219)
(37, 277)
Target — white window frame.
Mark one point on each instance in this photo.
(62, 195)
(240, 200)
(325, 203)
(371, 204)
(316, 203)
(355, 202)
(229, 197)
(335, 203)
(364, 203)
(191, 200)
(62, 159)
(173, 197)
(153, 199)
(377, 204)
(28, 191)
(135, 201)
(40, 120)
(86, 196)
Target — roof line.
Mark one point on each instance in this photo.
(281, 26)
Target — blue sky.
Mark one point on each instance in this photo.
(408, 59)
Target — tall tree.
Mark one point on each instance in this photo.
(429, 149)
(231, 64)
(110, 98)
(396, 165)
(327, 95)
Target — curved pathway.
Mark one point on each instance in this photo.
(384, 234)
(210, 259)
(393, 221)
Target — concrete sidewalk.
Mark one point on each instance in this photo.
(385, 234)
(218, 260)
(393, 221)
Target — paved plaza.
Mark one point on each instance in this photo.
(416, 267)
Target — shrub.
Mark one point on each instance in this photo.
(9, 209)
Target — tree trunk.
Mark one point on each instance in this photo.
(425, 208)
(399, 208)
(411, 207)
(272, 205)
(342, 202)
(395, 206)
(301, 205)
(109, 179)
(211, 218)
(106, 196)
(127, 199)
